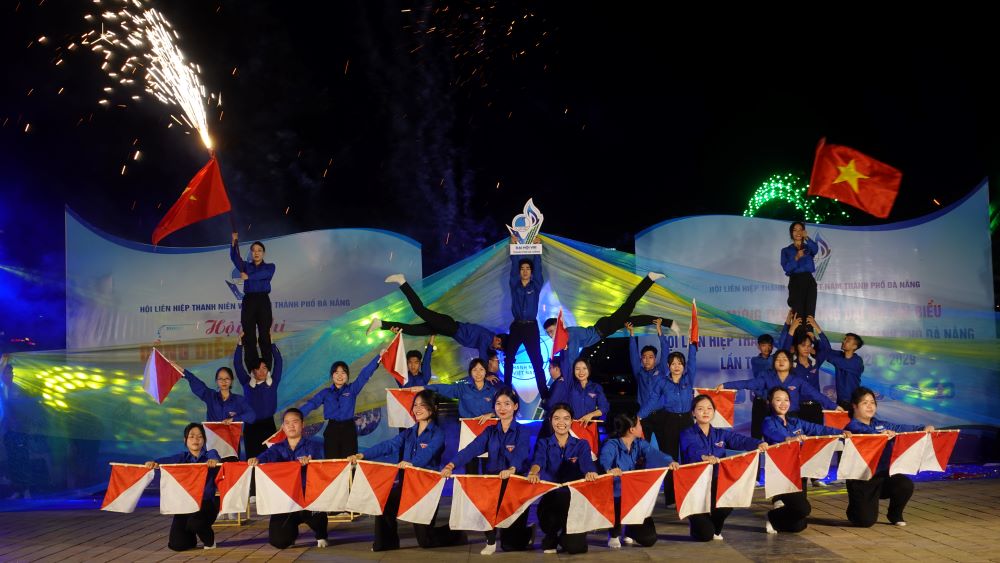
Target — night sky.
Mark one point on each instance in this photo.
(439, 120)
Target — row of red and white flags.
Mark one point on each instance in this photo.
(477, 503)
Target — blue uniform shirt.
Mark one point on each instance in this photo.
(505, 449)
(524, 298)
(339, 404)
(695, 443)
(877, 426)
(262, 396)
(582, 399)
(670, 396)
(475, 336)
(258, 277)
(848, 374)
(235, 407)
(776, 430)
(794, 382)
(186, 457)
(563, 464)
(424, 376)
(643, 378)
(614, 453)
(472, 402)
(422, 450)
(803, 265)
(282, 451)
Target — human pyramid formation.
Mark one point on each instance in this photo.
(668, 409)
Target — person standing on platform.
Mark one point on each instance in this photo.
(255, 315)
(797, 262)
(340, 439)
(526, 283)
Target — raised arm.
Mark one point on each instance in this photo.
(198, 387)
(234, 254)
(239, 366)
(278, 363)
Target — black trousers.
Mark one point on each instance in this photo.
(516, 537)
(704, 526)
(254, 435)
(802, 294)
(187, 529)
(553, 510)
(526, 333)
(428, 535)
(474, 467)
(283, 529)
(759, 410)
(340, 439)
(256, 319)
(612, 323)
(811, 411)
(434, 322)
(644, 534)
(667, 427)
(847, 406)
(792, 516)
(863, 497)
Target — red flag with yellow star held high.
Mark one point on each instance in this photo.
(854, 178)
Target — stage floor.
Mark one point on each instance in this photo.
(948, 521)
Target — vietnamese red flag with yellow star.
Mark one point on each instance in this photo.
(203, 198)
(854, 178)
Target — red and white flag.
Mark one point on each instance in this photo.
(782, 473)
(125, 486)
(517, 497)
(233, 482)
(328, 484)
(160, 376)
(181, 487)
(815, 456)
(223, 438)
(836, 419)
(640, 488)
(370, 489)
(398, 403)
(561, 338)
(279, 487)
(591, 504)
(694, 322)
(589, 433)
(394, 360)
(420, 496)
(725, 405)
(861, 455)
(474, 501)
(693, 489)
(276, 438)
(938, 452)
(470, 429)
(908, 450)
(737, 477)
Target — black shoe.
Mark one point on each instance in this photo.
(550, 542)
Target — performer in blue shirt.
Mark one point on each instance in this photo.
(187, 529)
(525, 288)
(222, 405)
(421, 445)
(849, 366)
(703, 442)
(340, 439)
(469, 335)
(628, 451)
(582, 395)
(863, 496)
(508, 445)
(255, 316)
(419, 365)
(283, 529)
(260, 387)
(560, 458)
(797, 262)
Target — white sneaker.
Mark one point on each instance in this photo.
(396, 278)
(628, 541)
(818, 483)
(717, 537)
(675, 327)
(778, 504)
(900, 523)
(768, 527)
(614, 543)
(490, 549)
(655, 275)
(321, 543)
(213, 546)
(550, 551)
(253, 500)
(375, 325)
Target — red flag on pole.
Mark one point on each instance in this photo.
(203, 198)
(847, 175)
(694, 321)
(561, 338)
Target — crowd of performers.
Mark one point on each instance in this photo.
(788, 406)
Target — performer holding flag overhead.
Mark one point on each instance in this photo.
(255, 315)
(187, 529)
(421, 445)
